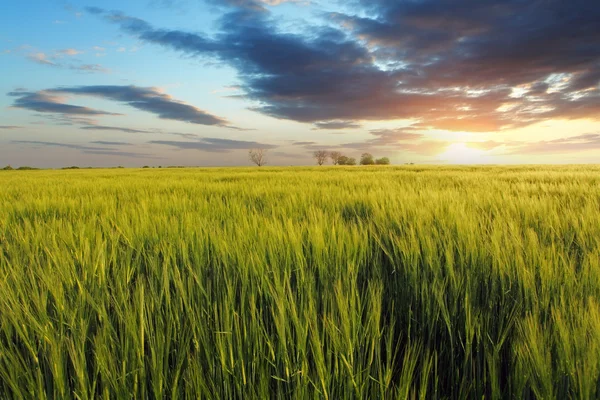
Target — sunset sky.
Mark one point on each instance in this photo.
(192, 82)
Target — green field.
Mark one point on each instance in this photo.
(301, 283)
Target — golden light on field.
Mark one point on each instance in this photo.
(460, 153)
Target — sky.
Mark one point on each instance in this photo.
(200, 82)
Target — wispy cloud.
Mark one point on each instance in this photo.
(216, 145)
(41, 58)
(337, 125)
(69, 52)
(105, 151)
(112, 143)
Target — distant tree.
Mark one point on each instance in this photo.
(26, 168)
(321, 156)
(382, 161)
(343, 160)
(7, 168)
(335, 157)
(366, 159)
(258, 156)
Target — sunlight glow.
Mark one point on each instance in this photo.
(460, 153)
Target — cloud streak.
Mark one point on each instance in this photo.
(216, 145)
(105, 151)
(147, 99)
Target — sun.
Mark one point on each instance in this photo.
(460, 153)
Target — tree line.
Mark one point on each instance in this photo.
(259, 157)
(337, 158)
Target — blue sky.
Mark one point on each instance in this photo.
(192, 82)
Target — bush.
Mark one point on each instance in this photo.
(71, 167)
(382, 161)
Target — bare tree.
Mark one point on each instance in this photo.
(321, 156)
(335, 157)
(258, 156)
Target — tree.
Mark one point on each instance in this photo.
(321, 156)
(382, 161)
(335, 157)
(343, 160)
(366, 159)
(258, 156)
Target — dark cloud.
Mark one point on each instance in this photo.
(146, 99)
(337, 125)
(303, 143)
(48, 102)
(446, 64)
(112, 143)
(114, 128)
(216, 145)
(10, 127)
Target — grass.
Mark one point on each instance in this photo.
(302, 283)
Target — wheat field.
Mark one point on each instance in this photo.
(402, 282)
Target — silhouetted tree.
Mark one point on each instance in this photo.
(382, 161)
(320, 156)
(343, 160)
(258, 156)
(335, 157)
(367, 159)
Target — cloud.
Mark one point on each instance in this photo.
(70, 52)
(336, 125)
(92, 127)
(287, 155)
(52, 60)
(147, 99)
(41, 58)
(8, 127)
(112, 143)
(304, 143)
(451, 65)
(56, 144)
(106, 151)
(586, 142)
(90, 68)
(46, 101)
(216, 145)
(118, 153)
